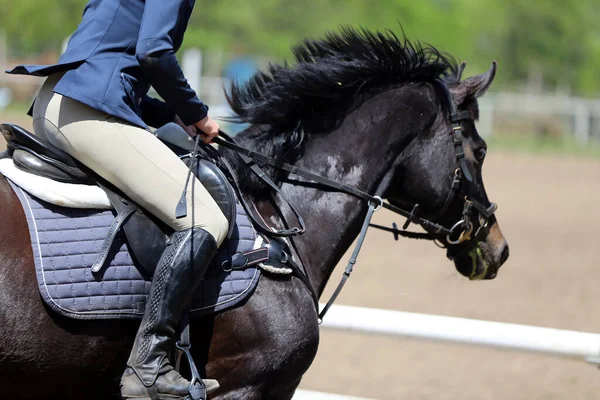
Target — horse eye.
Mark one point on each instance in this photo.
(480, 154)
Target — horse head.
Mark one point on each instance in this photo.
(442, 173)
(385, 115)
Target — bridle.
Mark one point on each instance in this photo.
(463, 229)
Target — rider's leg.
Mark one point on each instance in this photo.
(181, 266)
(127, 156)
(150, 174)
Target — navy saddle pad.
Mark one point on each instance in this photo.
(66, 241)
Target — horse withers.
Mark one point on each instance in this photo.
(371, 110)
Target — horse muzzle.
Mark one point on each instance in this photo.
(482, 259)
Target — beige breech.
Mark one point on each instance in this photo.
(129, 157)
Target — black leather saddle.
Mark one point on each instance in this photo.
(145, 235)
(39, 157)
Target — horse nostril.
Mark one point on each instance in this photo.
(504, 255)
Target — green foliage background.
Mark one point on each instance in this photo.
(558, 40)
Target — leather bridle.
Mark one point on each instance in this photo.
(463, 230)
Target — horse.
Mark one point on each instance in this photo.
(369, 109)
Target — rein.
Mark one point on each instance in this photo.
(249, 157)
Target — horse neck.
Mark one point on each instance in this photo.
(333, 220)
(359, 153)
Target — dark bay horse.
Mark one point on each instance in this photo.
(373, 115)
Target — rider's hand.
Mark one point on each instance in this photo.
(208, 128)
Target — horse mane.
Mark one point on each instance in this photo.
(329, 76)
(330, 73)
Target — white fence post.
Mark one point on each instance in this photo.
(485, 126)
(582, 122)
(3, 50)
(191, 64)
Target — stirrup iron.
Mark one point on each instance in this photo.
(197, 388)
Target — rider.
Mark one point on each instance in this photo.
(94, 106)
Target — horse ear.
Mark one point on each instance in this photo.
(461, 69)
(475, 86)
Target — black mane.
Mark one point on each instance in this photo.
(313, 95)
(329, 74)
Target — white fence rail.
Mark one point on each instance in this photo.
(310, 395)
(557, 342)
(581, 117)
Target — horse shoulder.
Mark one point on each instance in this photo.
(261, 350)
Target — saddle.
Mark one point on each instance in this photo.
(146, 236)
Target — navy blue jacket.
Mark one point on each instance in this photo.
(120, 49)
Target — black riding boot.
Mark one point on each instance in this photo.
(149, 375)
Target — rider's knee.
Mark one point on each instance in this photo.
(217, 226)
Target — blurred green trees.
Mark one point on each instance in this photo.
(551, 43)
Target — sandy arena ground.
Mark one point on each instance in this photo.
(548, 210)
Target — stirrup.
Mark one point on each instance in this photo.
(197, 389)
